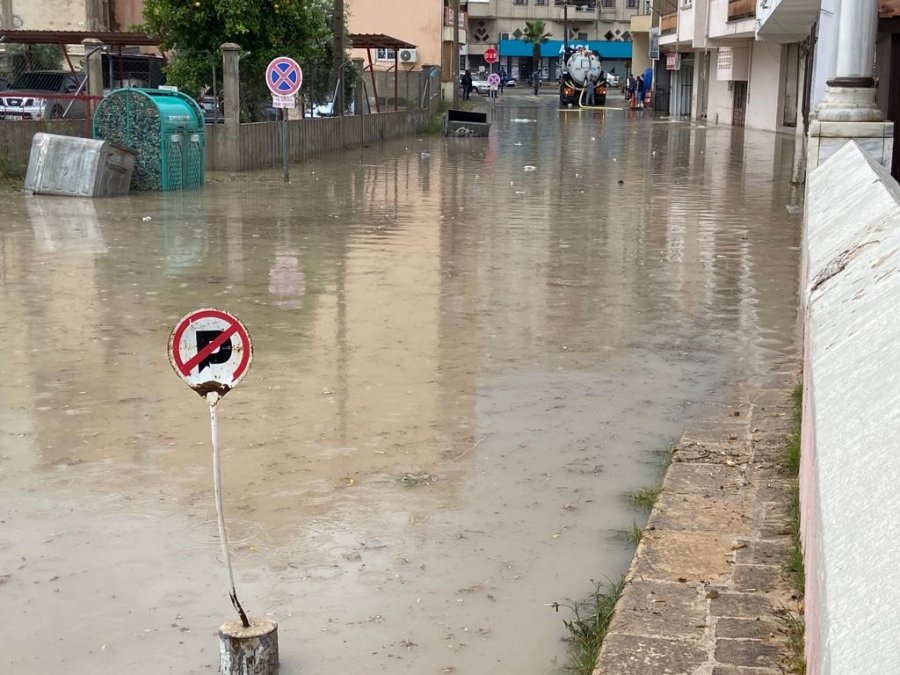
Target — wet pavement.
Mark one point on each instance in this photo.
(460, 365)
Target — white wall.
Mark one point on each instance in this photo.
(851, 430)
(721, 99)
(764, 98)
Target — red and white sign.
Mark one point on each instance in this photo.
(494, 80)
(284, 76)
(491, 55)
(210, 350)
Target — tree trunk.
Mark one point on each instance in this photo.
(249, 651)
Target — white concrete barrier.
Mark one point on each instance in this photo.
(850, 473)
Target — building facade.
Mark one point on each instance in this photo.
(736, 62)
(80, 15)
(500, 24)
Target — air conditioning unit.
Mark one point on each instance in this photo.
(408, 56)
(506, 36)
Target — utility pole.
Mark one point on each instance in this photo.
(565, 28)
(337, 57)
(454, 53)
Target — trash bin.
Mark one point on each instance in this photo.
(165, 131)
(465, 123)
(77, 167)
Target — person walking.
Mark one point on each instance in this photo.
(640, 91)
(467, 84)
(504, 78)
(630, 87)
(536, 81)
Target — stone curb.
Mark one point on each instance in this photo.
(706, 588)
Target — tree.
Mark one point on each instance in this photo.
(193, 30)
(537, 34)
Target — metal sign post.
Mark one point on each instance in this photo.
(211, 351)
(284, 77)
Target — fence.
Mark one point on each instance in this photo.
(260, 143)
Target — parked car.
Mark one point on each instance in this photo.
(43, 94)
(212, 112)
(612, 80)
(510, 82)
(480, 86)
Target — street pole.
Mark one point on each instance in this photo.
(565, 27)
(337, 58)
(454, 53)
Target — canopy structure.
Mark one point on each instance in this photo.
(370, 41)
(76, 37)
(554, 48)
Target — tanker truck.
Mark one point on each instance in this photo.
(581, 69)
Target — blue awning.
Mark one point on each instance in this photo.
(554, 48)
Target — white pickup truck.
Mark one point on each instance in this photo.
(42, 95)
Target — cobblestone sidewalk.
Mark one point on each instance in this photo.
(706, 587)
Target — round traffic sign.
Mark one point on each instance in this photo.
(494, 80)
(284, 76)
(210, 350)
(491, 55)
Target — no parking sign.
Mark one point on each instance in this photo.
(210, 350)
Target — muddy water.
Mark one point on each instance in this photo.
(459, 367)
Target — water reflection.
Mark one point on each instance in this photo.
(459, 365)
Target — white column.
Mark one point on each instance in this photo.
(850, 95)
(857, 26)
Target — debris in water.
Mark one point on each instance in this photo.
(146, 218)
(528, 167)
(425, 155)
(417, 479)
(621, 182)
(521, 119)
(517, 144)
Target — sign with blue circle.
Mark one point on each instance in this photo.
(284, 76)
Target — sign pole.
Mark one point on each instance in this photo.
(285, 146)
(212, 398)
(211, 351)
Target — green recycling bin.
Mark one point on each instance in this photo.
(165, 131)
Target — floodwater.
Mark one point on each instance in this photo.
(459, 367)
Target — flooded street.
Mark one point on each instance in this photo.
(460, 366)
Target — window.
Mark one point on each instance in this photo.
(540, 2)
(608, 4)
(384, 55)
(631, 4)
(520, 2)
(582, 36)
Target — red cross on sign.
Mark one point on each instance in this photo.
(210, 350)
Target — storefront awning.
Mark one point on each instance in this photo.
(554, 48)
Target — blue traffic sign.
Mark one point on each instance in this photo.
(284, 76)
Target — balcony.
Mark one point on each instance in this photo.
(668, 24)
(741, 9)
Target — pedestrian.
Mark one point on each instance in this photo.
(536, 81)
(589, 86)
(640, 91)
(467, 84)
(630, 87)
(504, 78)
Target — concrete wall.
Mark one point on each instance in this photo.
(50, 14)
(15, 140)
(764, 98)
(851, 452)
(721, 99)
(418, 22)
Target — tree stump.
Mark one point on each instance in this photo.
(249, 651)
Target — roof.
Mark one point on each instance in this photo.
(378, 41)
(554, 48)
(75, 37)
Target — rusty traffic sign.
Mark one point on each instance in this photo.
(210, 350)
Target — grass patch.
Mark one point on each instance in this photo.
(433, 127)
(631, 536)
(589, 625)
(644, 499)
(793, 567)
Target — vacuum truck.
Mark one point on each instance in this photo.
(581, 69)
